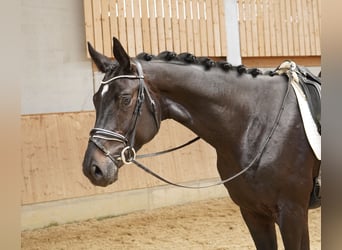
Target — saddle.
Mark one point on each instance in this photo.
(310, 86)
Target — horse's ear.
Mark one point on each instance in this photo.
(102, 62)
(120, 54)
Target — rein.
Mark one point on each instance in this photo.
(128, 154)
(257, 156)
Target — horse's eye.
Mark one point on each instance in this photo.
(125, 100)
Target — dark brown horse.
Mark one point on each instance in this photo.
(239, 113)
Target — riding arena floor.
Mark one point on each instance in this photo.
(214, 224)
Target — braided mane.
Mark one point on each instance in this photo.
(188, 58)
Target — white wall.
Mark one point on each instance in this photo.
(56, 75)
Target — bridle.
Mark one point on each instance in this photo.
(128, 153)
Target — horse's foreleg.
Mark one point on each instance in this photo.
(262, 230)
(293, 224)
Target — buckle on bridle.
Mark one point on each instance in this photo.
(130, 152)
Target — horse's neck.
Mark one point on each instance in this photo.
(213, 104)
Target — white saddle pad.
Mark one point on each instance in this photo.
(310, 127)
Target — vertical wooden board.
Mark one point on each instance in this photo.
(254, 26)
(33, 155)
(289, 30)
(175, 27)
(283, 25)
(98, 42)
(249, 38)
(260, 28)
(295, 28)
(306, 27)
(203, 29)
(222, 29)
(196, 28)
(47, 190)
(88, 22)
(301, 28)
(38, 157)
(242, 26)
(137, 27)
(130, 29)
(114, 30)
(69, 161)
(145, 22)
(311, 23)
(210, 32)
(122, 24)
(216, 27)
(153, 28)
(267, 35)
(107, 44)
(317, 33)
(160, 26)
(46, 183)
(319, 5)
(278, 30)
(182, 26)
(168, 25)
(189, 30)
(273, 36)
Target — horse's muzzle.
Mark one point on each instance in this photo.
(102, 176)
(99, 169)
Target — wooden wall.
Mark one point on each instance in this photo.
(268, 28)
(280, 27)
(53, 147)
(195, 26)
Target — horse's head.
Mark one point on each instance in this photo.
(126, 116)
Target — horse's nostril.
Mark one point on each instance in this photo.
(96, 172)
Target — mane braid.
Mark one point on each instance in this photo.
(226, 66)
(145, 56)
(241, 69)
(206, 62)
(254, 72)
(188, 58)
(167, 55)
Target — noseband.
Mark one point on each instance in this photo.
(128, 153)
